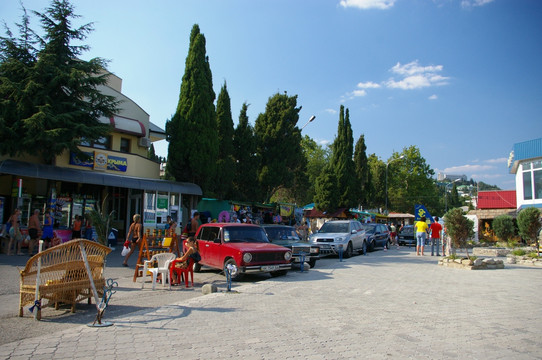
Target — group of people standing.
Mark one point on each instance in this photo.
(35, 229)
(434, 231)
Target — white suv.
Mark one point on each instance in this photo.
(336, 234)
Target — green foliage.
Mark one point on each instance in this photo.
(343, 149)
(529, 223)
(410, 182)
(503, 225)
(376, 193)
(101, 221)
(281, 161)
(460, 229)
(518, 252)
(533, 255)
(453, 256)
(50, 98)
(317, 157)
(361, 166)
(326, 195)
(192, 131)
(244, 148)
(225, 162)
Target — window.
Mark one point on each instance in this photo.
(532, 180)
(124, 145)
(101, 143)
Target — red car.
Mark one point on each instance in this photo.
(243, 248)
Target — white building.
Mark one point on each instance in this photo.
(525, 162)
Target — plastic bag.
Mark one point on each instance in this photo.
(125, 251)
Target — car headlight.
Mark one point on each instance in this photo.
(315, 250)
(247, 257)
(340, 239)
(287, 256)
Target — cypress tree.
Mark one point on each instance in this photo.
(192, 131)
(225, 162)
(244, 147)
(343, 148)
(362, 170)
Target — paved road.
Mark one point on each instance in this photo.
(390, 304)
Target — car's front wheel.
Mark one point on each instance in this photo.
(231, 266)
(371, 245)
(364, 248)
(349, 251)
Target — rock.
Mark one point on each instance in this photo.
(466, 262)
(478, 262)
(489, 261)
(511, 259)
(208, 289)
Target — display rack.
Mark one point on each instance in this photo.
(155, 244)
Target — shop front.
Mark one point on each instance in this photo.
(70, 192)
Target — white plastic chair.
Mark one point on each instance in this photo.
(163, 260)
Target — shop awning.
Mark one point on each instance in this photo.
(125, 125)
(20, 168)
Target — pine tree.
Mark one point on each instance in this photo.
(223, 185)
(343, 148)
(51, 99)
(279, 149)
(192, 131)
(244, 144)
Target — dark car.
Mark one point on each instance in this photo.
(377, 235)
(406, 236)
(286, 236)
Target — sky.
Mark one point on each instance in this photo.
(459, 79)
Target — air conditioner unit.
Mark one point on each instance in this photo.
(145, 142)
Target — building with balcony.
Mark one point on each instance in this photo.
(117, 170)
(525, 162)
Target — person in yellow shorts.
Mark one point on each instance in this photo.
(421, 232)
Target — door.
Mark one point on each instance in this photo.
(208, 249)
(134, 207)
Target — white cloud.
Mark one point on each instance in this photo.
(368, 85)
(357, 93)
(433, 97)
(416, 76)
(497, 161)
(473, 3)
(369, 4)
(467, 169)
(331, 111)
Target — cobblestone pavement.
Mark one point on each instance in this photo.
(385, 305)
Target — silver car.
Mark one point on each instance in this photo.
(337, 235)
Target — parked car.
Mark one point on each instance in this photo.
(406, 236)
(335, 234)
(286, 236)
(244, 248)
(377, 235)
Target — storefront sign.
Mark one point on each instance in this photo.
(100, 161)
(114, 163)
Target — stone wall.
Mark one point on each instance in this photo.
(523, 260)
(467, 264)
(495, 252)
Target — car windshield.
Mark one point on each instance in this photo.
(281, 233)
(369, 229)
(245, 234)
(333, 227)
(407, 231)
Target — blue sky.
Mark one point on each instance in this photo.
(460, 79)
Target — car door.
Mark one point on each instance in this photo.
(357, 238)
(208, 249)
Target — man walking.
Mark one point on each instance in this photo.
(435, 229)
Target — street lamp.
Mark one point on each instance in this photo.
(307, 123)
(446, 194)
(388, 164)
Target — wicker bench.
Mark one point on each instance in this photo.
(63, 274)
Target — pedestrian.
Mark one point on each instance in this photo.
(133, 237)
(435, 229)
(76, 227)
(33, 231)
(88, 227)
(393, 235)
(421, 233)
(15, 236)
(47, 233)
(194, 224)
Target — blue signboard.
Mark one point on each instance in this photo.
(114, 163)
(419, 211)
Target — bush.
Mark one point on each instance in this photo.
(503, 225)
(518, 252)
(529, 223)
(533, 255)
(460, 229)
